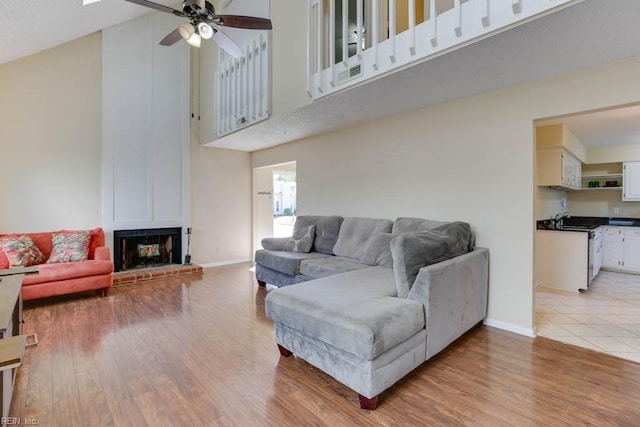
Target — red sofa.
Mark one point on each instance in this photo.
(69, 277)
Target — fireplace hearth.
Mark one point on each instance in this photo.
(146, 248)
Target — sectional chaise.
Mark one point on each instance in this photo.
(368, 300)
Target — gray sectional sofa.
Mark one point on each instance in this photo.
(373, 298)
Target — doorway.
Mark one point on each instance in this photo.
(606, 316)
(274, 201)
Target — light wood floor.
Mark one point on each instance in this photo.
(173, 353)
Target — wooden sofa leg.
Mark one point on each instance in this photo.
(368, 404)
(284, 351)
(105, 292)
(261, 283)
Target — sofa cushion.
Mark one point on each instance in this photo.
(95, 241)
(377, 251)
(284, 262)
(68, 270)
(70, 247)
(412, 251)
(414, 225)
(327, 228)
(355, 232)
(355, 311)
(323, 267)
(302, 240)
(20, 251)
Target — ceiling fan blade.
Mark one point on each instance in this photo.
(172, 38)
(156, 6)
(239, 21)
(225, 42)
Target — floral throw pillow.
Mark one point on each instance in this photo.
(302, 240)
(21, 251)
(70, 247)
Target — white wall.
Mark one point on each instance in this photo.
(471, 160)
(220, 205)
(220, 179)
(289, 56)
(50, 138)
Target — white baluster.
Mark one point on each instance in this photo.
(392, 29)
(359, 37)
(516, 5)
(458, 17)
(345, 32)
(484, 12)
(412, 26)
(433, 27)
(375, 28)
(332, 41)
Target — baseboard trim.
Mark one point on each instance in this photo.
(510, 327)
(223, 263)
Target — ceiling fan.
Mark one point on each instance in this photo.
(204, 24)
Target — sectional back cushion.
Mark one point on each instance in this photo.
(412, 251)
(377, 251)
(414, 225)
(355, 233)
(302, 240)
(327, 228)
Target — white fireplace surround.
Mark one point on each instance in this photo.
(146, 135)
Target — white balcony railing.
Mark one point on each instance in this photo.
(350, 41)
(243, 88)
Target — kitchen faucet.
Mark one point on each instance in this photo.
(559, 216)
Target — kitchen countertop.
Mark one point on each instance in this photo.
(586, 223)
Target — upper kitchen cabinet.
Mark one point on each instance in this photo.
(631, 182)
(559, 168)
(560, 156)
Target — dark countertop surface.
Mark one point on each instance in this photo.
(585, 223)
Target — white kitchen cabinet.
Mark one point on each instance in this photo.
(612, 247)
(557, 167)
(597, 251)
(631, 181)
(631, 248)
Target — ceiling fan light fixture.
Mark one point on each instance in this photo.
(205, 30)
(186, 31)
(195, 40)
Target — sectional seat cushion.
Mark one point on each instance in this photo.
(355, 232)
(327, 228)
(356, 311)
(284, 262)
(66, 271)
(413, 225)
(323, 267)
(412, 251)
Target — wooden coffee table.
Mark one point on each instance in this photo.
(12, 343)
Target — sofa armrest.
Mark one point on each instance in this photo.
(102, 253)
(454, 293)
(274, 243)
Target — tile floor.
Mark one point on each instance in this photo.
(606, 318)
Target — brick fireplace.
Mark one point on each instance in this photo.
(146, 248)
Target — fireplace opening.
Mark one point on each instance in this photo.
(146, 248)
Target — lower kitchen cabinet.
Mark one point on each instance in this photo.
(612, 247)
(631, 249)
(561, 260)
(621, 248)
